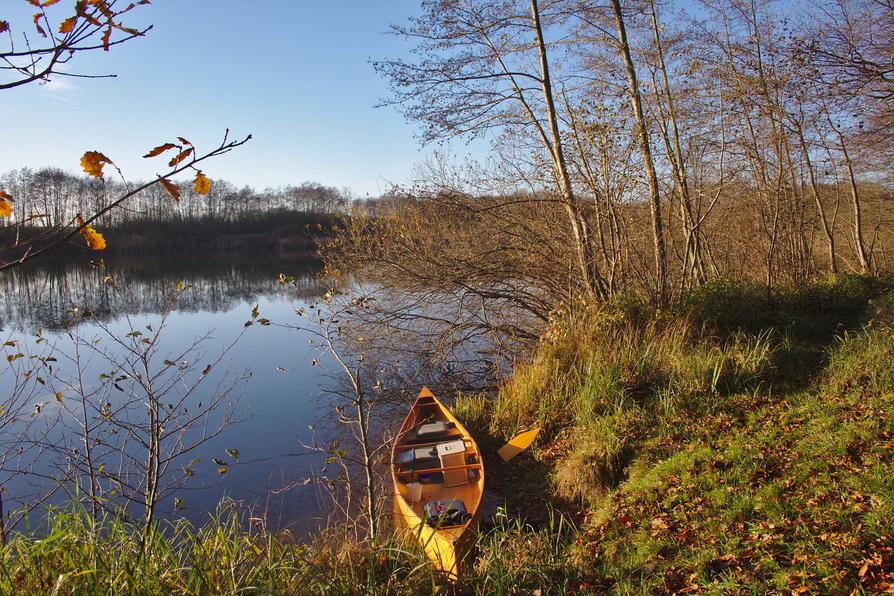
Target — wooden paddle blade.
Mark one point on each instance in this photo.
(517, 444)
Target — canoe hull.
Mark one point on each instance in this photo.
(446, 547)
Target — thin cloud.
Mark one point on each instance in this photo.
(60, 88)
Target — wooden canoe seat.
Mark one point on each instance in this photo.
(453, 454)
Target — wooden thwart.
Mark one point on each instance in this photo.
(438, 470)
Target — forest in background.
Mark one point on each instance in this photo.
(227, 219)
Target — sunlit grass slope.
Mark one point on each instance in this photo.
(727, 445)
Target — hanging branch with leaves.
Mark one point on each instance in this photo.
(20, 249)
(35, 55)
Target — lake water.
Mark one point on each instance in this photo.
(285, 394)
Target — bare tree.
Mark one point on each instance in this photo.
(326, 323)
(25, 423)
(485, 66)
(139, 409)
(850, 44)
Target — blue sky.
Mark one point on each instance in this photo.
(293, 73)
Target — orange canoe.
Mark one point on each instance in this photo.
(438, 482)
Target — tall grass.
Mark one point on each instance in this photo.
(613, 382)
(79, 555)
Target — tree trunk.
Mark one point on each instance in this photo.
(645, 149)
(859, 244)
(830, 237)
(363, 417)
(579, 227)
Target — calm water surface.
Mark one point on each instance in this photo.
(285, 394)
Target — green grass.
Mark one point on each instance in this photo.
(78, 555)
(725, 446)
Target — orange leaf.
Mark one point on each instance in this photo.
(37, 18)
(5, 208)
(160, 149)
(68, 24)
(94, 239)
(106, 36)
(202, 183)
(183, 155)
(184, 141)
(172, 188)
(93, 162)
(4, 26)
(49, 2)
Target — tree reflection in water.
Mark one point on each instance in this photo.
(41, 295)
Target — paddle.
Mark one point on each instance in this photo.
(517, 444)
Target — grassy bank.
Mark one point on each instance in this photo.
(729, 445)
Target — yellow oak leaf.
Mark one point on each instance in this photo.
(93, 162)
(94, 239)
(202, 183)
(6, 201)
(172, 188)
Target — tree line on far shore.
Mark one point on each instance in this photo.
(58, 196)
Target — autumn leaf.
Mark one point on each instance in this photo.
(180, 157)
(37, 18)
(202, 183)
(5, 204)
(172, 188)
(106, 37)
(59, 396)
(160, 149)
(68, 24)
(94, 239)
(93, 162)
(4, 26)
